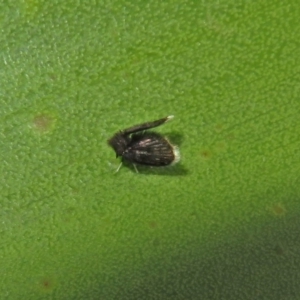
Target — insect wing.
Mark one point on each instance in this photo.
(147, 125)
(150, 149)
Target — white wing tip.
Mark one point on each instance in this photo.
(176, 155)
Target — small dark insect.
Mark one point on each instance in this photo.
(138, 146)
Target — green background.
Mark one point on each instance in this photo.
(222, 224)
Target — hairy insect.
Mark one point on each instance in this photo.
(138, 146)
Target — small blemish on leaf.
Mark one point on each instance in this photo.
(153, 224)
(219, 127)
(47, 284)
(206, 154)
(43, 122)
(278, 209)
(68, 214)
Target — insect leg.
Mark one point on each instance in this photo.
(119, 167)
(135, 168)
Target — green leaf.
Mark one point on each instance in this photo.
(223, 223)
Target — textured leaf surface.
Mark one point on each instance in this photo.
(223, 224)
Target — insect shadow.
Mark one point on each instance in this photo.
(177, 170)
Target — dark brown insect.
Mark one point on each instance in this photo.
(138, 146)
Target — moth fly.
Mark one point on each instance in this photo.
(138, 146)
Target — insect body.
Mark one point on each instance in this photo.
(138, 146)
